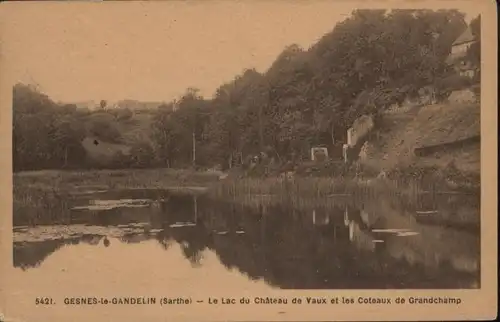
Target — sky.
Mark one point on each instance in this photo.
(153, 51)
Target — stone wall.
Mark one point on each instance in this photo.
(360, 128)
(447, 147)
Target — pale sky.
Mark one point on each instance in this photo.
(153, 51)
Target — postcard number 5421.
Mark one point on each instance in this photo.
(44, 301)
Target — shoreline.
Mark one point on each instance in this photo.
(37, 195)
(438, 181)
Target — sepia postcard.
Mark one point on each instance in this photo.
(246, 160)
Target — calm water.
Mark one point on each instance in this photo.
(112, 236)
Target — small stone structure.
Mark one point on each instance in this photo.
(360, 128)
(350, 137)
(319, 154)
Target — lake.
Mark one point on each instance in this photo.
(158, 240)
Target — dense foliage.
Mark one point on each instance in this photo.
(370, 61)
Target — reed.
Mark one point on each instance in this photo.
(310, 192)
(34, 205)
(310, 187)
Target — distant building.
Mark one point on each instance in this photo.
(458, 53)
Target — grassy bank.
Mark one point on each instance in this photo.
(114, 179)
(334, 179)
(323, 181)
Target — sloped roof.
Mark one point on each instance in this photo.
(466, 36)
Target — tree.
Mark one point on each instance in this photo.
(67, 139)
(45, 134)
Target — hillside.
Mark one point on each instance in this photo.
(308, 97)
(130, 132)
(394, 143)
(137, 128)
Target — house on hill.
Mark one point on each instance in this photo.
(458, 54)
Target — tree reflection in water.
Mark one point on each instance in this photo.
(335, 246)
(31, 254)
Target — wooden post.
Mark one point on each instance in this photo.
(194, 150)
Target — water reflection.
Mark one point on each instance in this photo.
(374, 244)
